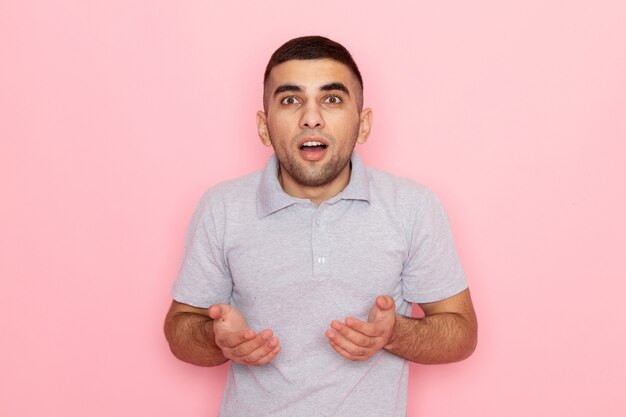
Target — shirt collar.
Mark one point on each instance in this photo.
(359, 186)
(270, 196)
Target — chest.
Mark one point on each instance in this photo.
(339, 258)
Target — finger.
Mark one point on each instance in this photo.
(218, 311)
(356, 337)
(269, 357)
(338, 339)
(225, 339)
(246, 348)
(345, 353)
(371, 329)
(254, 357)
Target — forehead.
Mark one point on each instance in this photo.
(311, 73)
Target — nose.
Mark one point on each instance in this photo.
(311, 117)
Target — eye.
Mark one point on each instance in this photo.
(333, 100)
(290, 100)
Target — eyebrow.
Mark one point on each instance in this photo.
(335, 86)
(296, 88)
(287, 87)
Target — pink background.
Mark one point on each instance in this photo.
(116, 115)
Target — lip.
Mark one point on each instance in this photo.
(310, 154)
(323, 141)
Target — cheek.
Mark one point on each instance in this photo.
(345, 127)
(276, 131)
(282, 123)
(282, 141)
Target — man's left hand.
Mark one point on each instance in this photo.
(358, 340)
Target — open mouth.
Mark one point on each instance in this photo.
(312, 146)
(313, 150)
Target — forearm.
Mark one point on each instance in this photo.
(437, 338)
(192, 340)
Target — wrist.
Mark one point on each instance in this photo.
(394, 333)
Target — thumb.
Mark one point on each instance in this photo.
(219, 311)
(385, 302)
(382, 308)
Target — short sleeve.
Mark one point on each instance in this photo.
(204, 278)
(432, 270)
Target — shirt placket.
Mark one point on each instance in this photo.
(319, 243)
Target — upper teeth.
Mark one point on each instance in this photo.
(312, 144)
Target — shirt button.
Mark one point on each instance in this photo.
(318, 222)
(321, 260)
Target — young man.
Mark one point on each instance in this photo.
(303, 274)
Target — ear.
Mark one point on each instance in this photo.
(261, 126)
(365, 125)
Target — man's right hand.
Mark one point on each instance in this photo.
(238, 342)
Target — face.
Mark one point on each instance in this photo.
(313, 121)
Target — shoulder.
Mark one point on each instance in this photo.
(230, 196)
(399, 192)
(234, 190)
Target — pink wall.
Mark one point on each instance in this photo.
(116, 115)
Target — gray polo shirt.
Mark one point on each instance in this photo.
(293, 267)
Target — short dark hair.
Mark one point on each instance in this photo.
(312, 47)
